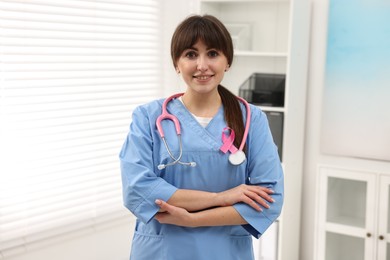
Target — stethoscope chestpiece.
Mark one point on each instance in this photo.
(237, 158)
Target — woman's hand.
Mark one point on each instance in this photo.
(249, 194)
(170, 214)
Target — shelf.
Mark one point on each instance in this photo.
(345, 230)
(260, 54)
(353, 221)
(272, 109)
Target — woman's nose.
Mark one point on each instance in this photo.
(202, 63)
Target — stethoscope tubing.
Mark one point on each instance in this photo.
(247, 123)
(165, 115)
(175, 160)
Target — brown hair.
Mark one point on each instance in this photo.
(214, 34)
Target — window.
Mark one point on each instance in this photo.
(71, 74)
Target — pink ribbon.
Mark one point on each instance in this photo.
(228, 141)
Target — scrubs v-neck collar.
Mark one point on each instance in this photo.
(211, 134)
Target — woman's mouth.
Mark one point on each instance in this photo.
(203, 77)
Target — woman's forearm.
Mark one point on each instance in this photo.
(220, 216)
(194, 200)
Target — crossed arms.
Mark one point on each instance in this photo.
(193, 208)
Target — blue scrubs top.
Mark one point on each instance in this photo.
(143, 183)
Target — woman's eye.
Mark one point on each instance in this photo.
(190, 54)
(213, 53)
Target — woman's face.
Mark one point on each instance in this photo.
(202, 68)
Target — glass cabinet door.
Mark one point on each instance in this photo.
(383, 237)
(343, 247)
(348, 214)
(346, 202)
(347, 219)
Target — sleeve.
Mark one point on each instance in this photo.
(140, 185)
(264, 169)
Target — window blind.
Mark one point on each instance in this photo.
(71, 74)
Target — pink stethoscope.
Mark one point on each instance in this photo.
(236, 157)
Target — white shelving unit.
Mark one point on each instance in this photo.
(260, 31)
(353, 215)
(272, 36)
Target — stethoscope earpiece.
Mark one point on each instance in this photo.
(163, 166)
(192, 164)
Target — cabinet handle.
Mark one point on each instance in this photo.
(381, 237)
(368, 234)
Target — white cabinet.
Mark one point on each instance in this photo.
(353, 215)
(272, 36)
(383, 233)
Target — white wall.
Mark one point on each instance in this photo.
(174, 11)
(313, 156)
(111, 241)
(313, 116)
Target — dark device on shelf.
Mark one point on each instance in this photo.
(264, 89)
(275, 121)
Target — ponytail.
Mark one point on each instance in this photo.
(233, 114)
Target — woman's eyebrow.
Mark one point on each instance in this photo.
(195, 49)
(191, 48)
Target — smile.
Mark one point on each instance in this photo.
(203, 77)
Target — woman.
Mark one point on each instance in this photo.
(202, 207)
